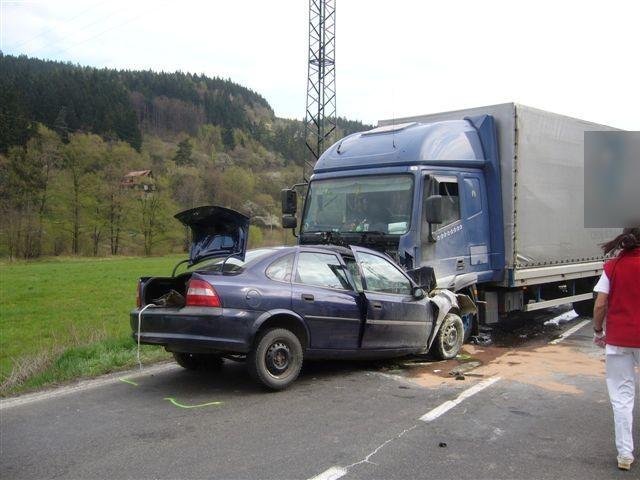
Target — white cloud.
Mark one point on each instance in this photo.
(393, 58)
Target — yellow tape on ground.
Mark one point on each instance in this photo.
(179, 405)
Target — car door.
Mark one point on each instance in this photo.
(394, 318)
(323, 295)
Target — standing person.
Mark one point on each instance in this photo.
(618, 302)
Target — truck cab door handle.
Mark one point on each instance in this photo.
(460, 264)
(307, 297)
(376, 305)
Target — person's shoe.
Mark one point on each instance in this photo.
(624, 463)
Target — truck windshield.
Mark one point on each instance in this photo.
(380, 203)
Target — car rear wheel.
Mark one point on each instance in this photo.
(449, 338)
(198, 361)
(276, 359)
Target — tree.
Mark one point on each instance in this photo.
(26, 176)
(183, 154)
(60, 125)
(84, 154)
(227, 139)
(149, 209)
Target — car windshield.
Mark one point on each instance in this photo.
(234, 264)
(380, 203)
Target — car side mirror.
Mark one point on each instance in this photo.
(433, 207)
(289, 199)
(418, 293)
(289, 221)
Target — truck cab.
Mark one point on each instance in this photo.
(416, 191)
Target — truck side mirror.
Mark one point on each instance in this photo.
(433, 206)
(289, 221)
(289, 199)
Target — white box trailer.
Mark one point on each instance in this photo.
(542, 181)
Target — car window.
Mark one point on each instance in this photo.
(380, 275)
(352, 266)
(233, 265)
(322, 270)
(281, 269)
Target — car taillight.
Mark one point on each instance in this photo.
(139, 295)
(201, 294)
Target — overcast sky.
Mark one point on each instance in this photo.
(394, 58)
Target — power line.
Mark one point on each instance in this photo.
(51, 29)
(60, 40)
(126, 22)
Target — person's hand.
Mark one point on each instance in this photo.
(599, 339)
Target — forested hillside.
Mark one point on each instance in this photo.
(97, 161)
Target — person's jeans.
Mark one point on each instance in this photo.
(621, 383)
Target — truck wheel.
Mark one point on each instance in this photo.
(467, 326)
(276, 359)
(195, 361)
(584, 308)
(470, 320)
(449, 338)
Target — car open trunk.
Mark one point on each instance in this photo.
(155, 288)
(216, 232)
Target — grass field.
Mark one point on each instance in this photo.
(69, 318)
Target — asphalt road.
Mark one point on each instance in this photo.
(545, 416)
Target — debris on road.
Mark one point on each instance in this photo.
(464, 368)
(482, 339)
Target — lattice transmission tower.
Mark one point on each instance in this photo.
(320, 117)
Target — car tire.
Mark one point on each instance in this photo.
(449, 338)
(188, 361)
(198, 361)
(276, 358)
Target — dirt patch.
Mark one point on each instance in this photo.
(545, 366)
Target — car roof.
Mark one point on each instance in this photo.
(332, 248)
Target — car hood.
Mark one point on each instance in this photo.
(215, 232)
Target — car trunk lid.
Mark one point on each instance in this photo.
(215, 232)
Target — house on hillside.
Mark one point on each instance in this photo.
(139, 180)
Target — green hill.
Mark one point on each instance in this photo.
(69, 135)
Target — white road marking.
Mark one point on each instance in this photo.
(85, 385)
(569, 332)
(332, 473)
(448, 405)
(336, 472)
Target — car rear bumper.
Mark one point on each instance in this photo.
(194, 329)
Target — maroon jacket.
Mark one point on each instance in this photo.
(623, 303)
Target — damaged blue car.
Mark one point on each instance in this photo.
(276, 307)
